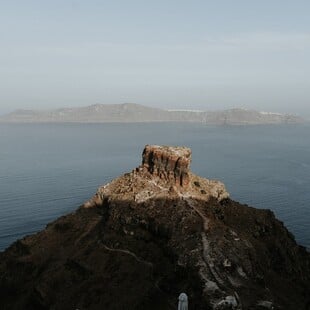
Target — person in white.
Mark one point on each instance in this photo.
(183, 302)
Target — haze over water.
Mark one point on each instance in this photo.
(205, 55)
(47, 170)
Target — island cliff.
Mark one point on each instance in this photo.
(151, 234)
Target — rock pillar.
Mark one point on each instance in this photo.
(168, 163)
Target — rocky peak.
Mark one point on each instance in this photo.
(168, 163)
(164, 172)
(141, 240)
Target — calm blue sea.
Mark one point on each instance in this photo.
(47, 170)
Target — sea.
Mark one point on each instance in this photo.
(48, 170)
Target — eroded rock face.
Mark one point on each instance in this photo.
(167, 162)
(164, 172)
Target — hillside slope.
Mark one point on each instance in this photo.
(151, 234)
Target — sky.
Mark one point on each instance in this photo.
(205, 55)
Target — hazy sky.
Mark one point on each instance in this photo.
(171, 54)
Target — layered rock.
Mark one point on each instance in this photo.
(164, 172)
(169, 163)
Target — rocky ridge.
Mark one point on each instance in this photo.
(131, 112)
(164, 173)
(150, 234)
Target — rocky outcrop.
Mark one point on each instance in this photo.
(164, 172)
(146, 237)
(169, 163)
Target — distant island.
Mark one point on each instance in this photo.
(131, 113)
